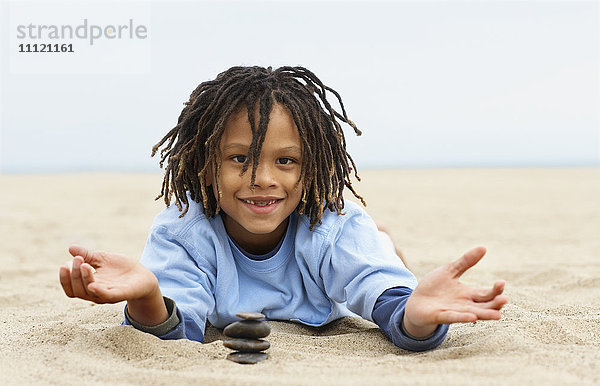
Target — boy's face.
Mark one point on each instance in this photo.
(256, 216)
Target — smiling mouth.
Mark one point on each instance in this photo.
(261, 202)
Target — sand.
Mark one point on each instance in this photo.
(541, 228)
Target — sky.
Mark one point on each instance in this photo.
(429, 83)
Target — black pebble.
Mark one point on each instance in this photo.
(247, 345)
(250, 315)
(250, 329)
(247, 357)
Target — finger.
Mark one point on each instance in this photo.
(469, 259)
(499, 286)
(88, 256)
(485, 295)
(78, 250)
(76, 280)
(485, 314)
(497, 303)
(65, 280)
(87, 277)
(101, 293)
(449, 317)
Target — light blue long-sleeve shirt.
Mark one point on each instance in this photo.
(340, 268)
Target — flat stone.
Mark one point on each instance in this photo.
(247, 345)
(247, 357)
(250, 329)
(250, 315)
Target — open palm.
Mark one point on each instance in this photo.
(440, 298)
(103, 277)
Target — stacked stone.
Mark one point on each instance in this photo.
(247, 340)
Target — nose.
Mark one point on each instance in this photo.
(265, 176)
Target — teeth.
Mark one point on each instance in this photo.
(261, 203)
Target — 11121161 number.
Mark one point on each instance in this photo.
(46, 47)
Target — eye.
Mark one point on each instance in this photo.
(239, 158)
(285, 161)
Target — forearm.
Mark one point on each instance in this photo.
(172, 328)
(149, 310)
(415, 331)
(388, 313)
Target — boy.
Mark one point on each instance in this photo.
(258, 159)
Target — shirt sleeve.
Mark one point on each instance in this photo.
(359, 263)
(172, 328)
(183, 277)
(388, 313)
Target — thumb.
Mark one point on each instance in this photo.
(78, 250)
(469, 259)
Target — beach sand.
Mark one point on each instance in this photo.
(541, 228)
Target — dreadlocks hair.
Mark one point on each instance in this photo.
(193, 146)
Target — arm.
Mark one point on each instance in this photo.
(418, 320)
(172, 328)
(441, 298)
(357, 269)
(388, 313)
(103, 277)
(184, 275)
(166, 268)
(358, 265)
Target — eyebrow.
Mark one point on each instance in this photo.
(292, 148)
(236, 145)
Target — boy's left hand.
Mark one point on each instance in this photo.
(440, 298)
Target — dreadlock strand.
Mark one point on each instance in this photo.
(265, 105)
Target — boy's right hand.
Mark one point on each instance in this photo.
(116, 277)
